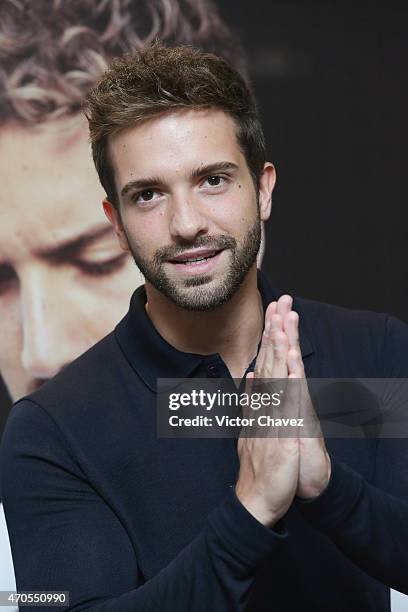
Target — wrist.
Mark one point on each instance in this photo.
(315, 489)
(259, 511)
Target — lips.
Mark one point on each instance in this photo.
(197, 256)
(197, 262)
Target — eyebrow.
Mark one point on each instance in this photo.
(69, 248)
(143, 183)
(152, 181)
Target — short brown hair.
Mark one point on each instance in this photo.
(160, 79)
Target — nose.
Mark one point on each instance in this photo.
(49, 338)
(187, 220)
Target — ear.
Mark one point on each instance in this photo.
(267, 182)
(113, 216)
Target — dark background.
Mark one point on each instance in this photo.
(332, 82)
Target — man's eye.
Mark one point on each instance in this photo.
(145, 196)
(215, 180)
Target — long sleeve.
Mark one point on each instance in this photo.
(369, 521)
(66, 537)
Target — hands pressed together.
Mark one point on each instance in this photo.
(274, 469)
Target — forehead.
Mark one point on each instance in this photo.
(174, 143)
(50, 190)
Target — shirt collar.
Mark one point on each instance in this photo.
(152, 357)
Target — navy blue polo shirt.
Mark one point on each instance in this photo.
(98, 506)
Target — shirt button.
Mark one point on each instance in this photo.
(212, 371)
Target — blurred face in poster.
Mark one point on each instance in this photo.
(64, 282)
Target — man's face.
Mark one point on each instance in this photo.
(64, 282)
(190, 213)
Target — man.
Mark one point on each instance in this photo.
(127, 521)
(58, 257)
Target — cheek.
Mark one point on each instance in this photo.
(235, 222)
(148, 233)
(10, 331)
(234, 210)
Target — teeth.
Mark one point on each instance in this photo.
(194, 260)
(197, 259)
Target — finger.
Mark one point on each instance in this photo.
(276, 323)
(270, 311)
(272, 306)
(311, 426)
(284, 305)
(291, 327)
(295, 364)
(280, 355)
(272, 357)
(265, 358)
(290, 407)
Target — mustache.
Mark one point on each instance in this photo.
(222, 241)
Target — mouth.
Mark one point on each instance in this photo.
(195, 257)
(196, 261)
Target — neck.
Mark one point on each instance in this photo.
(233, 330)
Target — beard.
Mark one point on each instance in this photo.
(202, 292)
